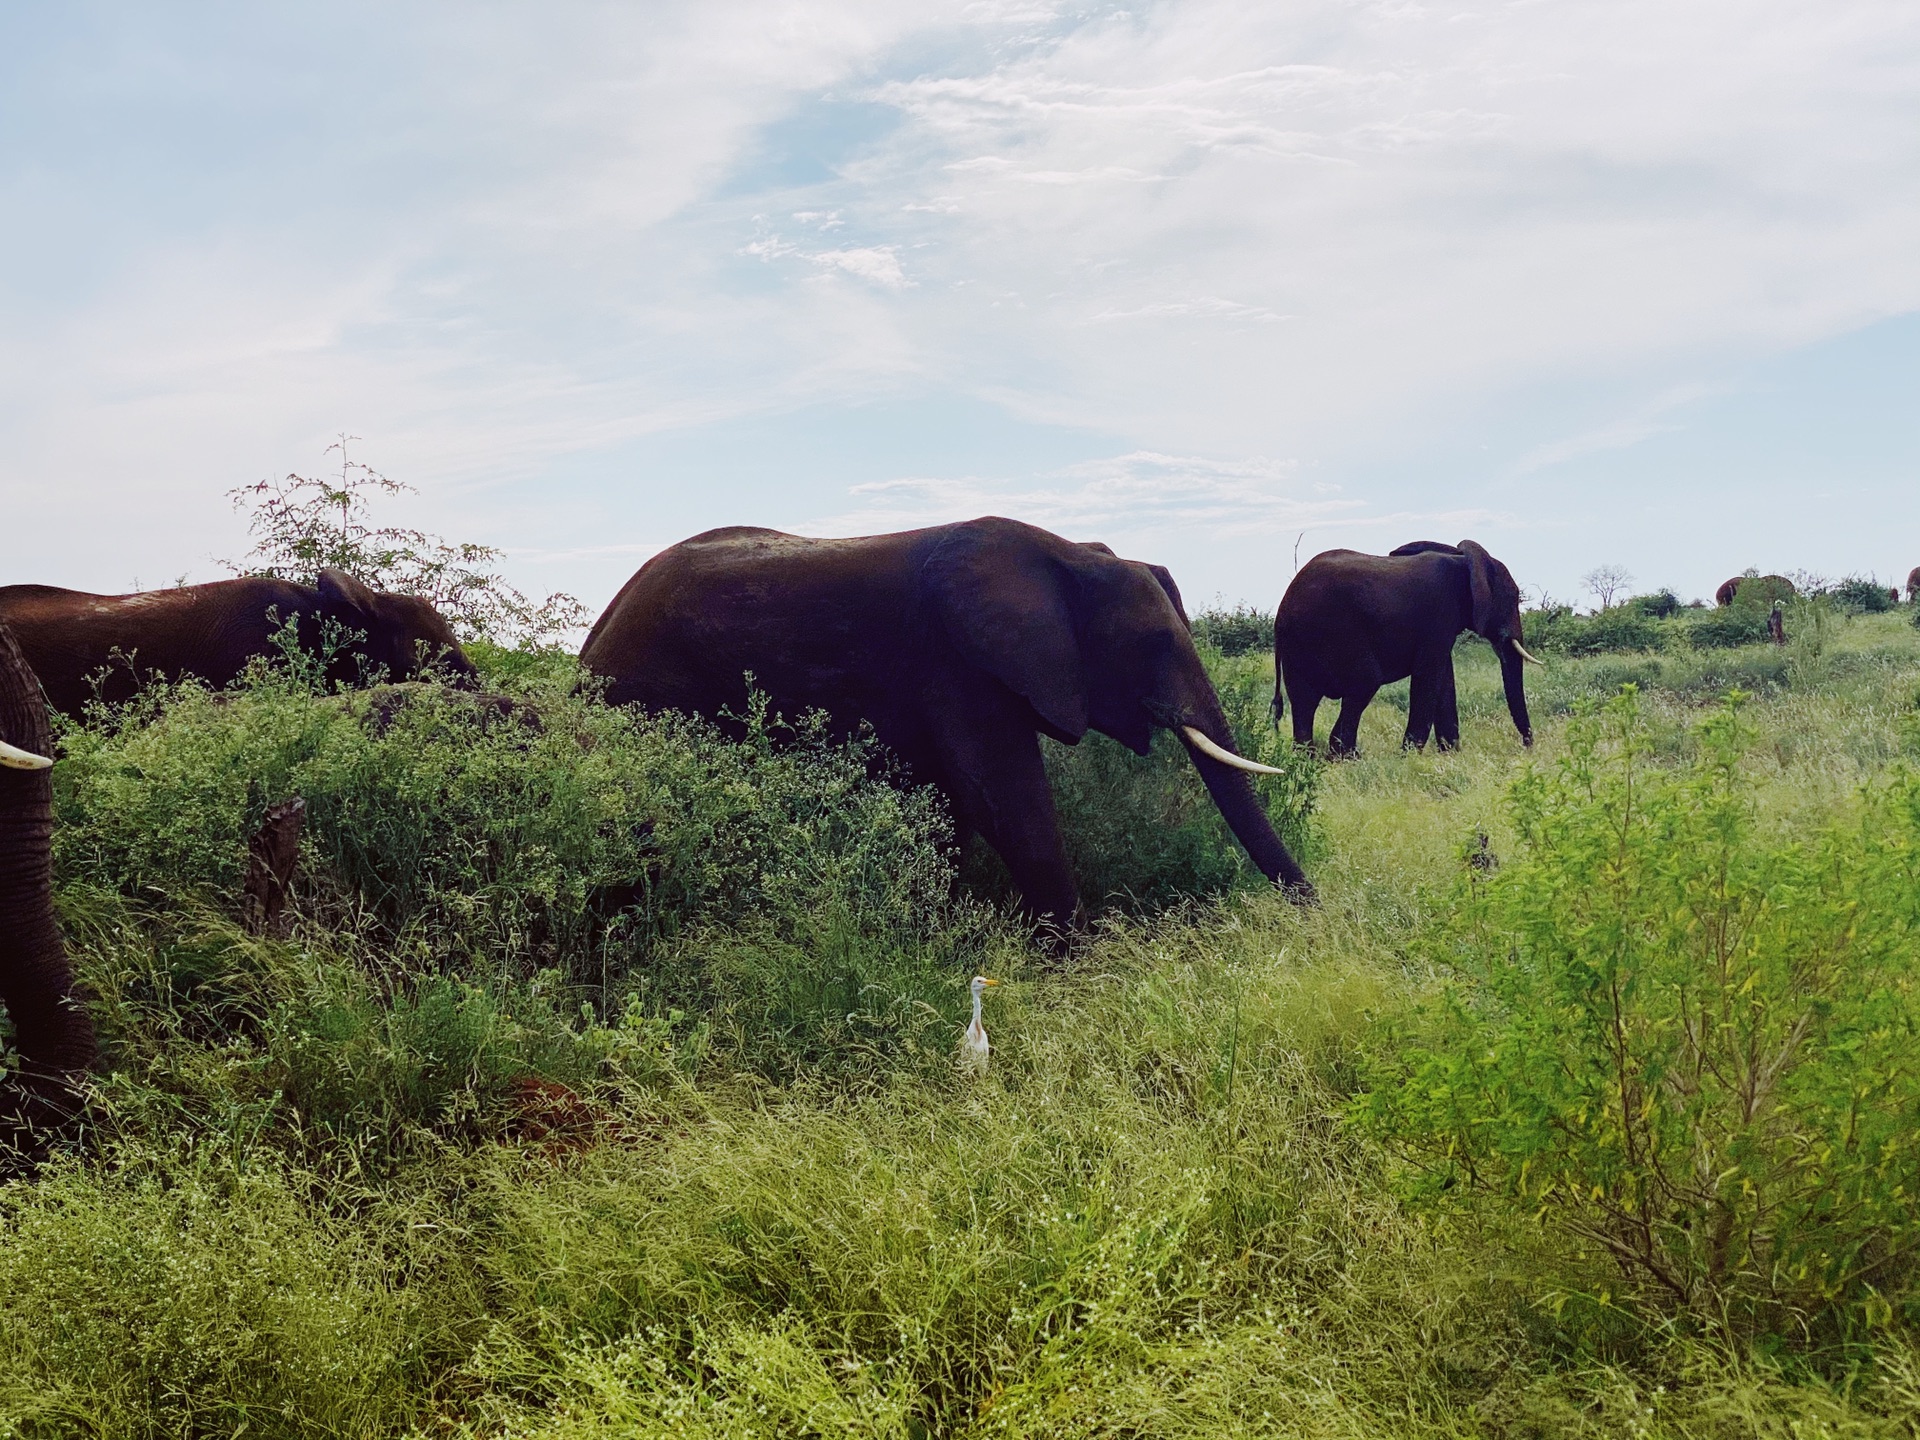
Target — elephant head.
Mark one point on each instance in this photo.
(1094, 642)
(1495, 618)
(51, 1029)
(404, 634)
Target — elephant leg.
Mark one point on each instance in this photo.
(998, 784)
(1306, 705)
(1346, 730)
(1422, 698)
(1446, 719)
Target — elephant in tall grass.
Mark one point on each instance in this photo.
(1351, 623)
(51, 1028)
(1913, 584)
(77, 641)
(961, 645)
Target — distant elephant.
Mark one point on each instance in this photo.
(1772, 588)
(961, 645)
(212, 631)
(1913, 584)
(51, 1029)
(1351, 622)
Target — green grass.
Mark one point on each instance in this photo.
(542, 1123)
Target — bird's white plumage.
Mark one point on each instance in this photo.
(974, 1048)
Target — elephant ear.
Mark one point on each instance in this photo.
(1424, 547)
(1160, 573)
(1007, 607)
(347, 600)
(1480, 583)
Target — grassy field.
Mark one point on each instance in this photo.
(604, 1088)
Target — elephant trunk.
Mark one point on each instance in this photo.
(52, 1030)
(1233, 793)
(1512, 676)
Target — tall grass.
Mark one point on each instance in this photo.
(603, 1086)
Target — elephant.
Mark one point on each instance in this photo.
(1772, 587)
(78, 643)
(960, 645)
(51, 1028)
(1351, 622)
(1913, 585)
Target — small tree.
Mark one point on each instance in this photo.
(1606, 581)
(303, 524)
(1680, 1038)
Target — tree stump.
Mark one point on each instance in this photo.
(273, 854)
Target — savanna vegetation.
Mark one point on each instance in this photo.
(602, 1085)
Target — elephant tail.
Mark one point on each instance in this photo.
(1279, 697)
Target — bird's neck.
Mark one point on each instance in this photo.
(976, 1010)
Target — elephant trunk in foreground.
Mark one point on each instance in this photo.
(51, 1029)
(1513, 680)
(1240, 807)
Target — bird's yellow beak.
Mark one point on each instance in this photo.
(989, 982)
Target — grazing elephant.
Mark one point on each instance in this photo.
(1913, 584)
(1772, 588)
(69, 637)
(51, 1029)
(1350, 623)
(960, 644)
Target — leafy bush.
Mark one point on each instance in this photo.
(1728, 626)
(1662, 604)
(1861, 595)
(1685, 1040)
(1625, 628)
(1242, 630)
(547, 832)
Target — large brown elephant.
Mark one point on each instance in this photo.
(1913, 584)
(51, 1029)
(1352, 622)
(961, 645)
(76, 642)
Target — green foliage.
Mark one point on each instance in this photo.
(388, 1176)
(1624, 628)
(546, 831)
(182, 1298)
(1728, 626)
(1662, 604)
(302, 525)
(1242, 630)
(1861, 595)
(1686, 1041)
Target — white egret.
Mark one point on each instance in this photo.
(973, 1044)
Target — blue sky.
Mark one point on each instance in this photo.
(1621, 282)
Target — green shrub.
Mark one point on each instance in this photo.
(1861, 595)
(1622, 629)
(1242, 630)
(544, 830)
(1728, 626)
(1662, 604)
(1683, 1039)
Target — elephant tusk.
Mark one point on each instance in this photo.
(1531, 660)
(14, 758)
(1224, 756)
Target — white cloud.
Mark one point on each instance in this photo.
(1155, 499)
